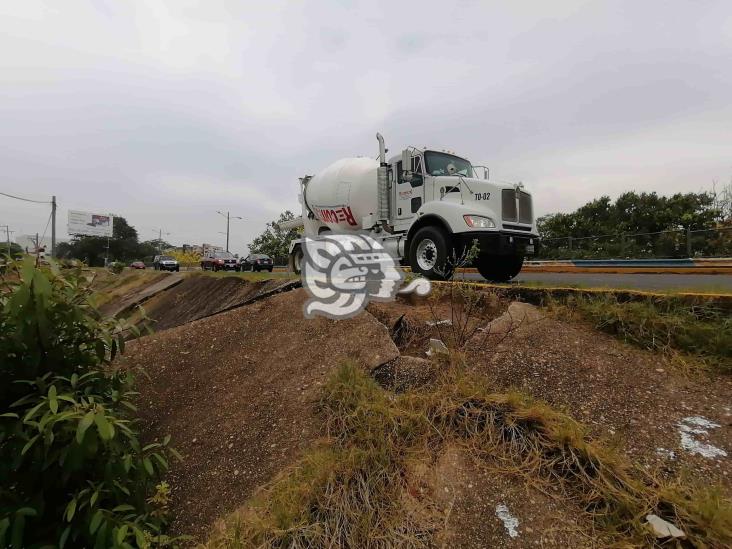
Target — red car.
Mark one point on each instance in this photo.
(219, 261)
(137, 265)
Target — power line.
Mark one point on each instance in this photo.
(25, 199)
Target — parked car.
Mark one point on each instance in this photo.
(165, 263)
(256, 262)
(137, 265)
(219, 261)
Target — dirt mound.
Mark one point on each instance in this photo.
(660, 417)
(202, 296)
(236, 391)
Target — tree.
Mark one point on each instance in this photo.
(635, 225)
(14, 249)
(274, 241)
(123, 246)
(186, 258)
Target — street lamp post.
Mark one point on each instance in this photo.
(228, 218)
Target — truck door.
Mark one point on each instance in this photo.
(409, 194)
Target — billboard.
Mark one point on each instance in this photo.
(90, 224)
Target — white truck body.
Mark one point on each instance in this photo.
(438, 190)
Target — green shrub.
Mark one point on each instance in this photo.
(72, 470)
(116, 267)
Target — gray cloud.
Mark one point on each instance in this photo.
(165, 112)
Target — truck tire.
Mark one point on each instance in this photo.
(296, 260)
(499, 268)
(430, 252)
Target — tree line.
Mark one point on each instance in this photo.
(124, 246)
(641, 225)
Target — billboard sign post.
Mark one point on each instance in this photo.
(90, 224)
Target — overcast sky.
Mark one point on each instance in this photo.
(164, 112)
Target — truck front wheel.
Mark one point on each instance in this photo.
(429, 254)
(295, 260)
(499, 268)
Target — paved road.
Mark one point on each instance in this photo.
(690, 282)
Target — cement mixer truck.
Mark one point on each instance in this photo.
(426, 207)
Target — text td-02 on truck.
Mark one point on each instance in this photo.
(425, 206)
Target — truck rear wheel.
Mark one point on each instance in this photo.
(429, 254)
(295, 260)
(499, 268)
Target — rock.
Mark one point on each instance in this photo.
(509, 521)
(404, 373)
(437, 347)
(663, 529)
(517, 315)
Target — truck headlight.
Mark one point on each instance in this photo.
(479, 222)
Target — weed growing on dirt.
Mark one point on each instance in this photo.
(658, 324)
(353, 491)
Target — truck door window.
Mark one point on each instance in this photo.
(417, 179)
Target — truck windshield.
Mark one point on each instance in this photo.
(440, 164)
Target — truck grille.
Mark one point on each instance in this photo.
(508, 204)
(525, 213)
(508, 198)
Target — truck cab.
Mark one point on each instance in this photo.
(441, 190)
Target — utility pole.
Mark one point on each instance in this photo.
(7, 235)
(228, 218)
(53, 226)
(160, 239)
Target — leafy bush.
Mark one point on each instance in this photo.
(117, 267)
(72, 470)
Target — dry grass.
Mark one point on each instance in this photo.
(666, 325)
(351, 491)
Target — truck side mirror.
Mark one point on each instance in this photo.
(406, 165)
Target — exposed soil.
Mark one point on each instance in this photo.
(635, 398)
(237, 393)
(471, 498)
(414, 321)
(201, 296)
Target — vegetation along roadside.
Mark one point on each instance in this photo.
(73, 472)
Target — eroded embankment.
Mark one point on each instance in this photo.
(242, 395)
(236, 392)
(203, 296)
